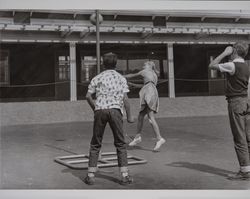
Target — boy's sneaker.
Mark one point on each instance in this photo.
(240, 176)
(136, 141)
(159, 143)
(89, 180)
(125, 180)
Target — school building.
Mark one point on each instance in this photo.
(51, 55)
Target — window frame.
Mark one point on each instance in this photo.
(6, 83)
(65, 54)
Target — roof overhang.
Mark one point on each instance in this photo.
(142, 31)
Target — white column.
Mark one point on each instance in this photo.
(73, 83)
(171, 85)
(98, 57)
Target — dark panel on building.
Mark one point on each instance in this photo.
(159, 22)
(32, 72)
(130, 60)
(82, 16)
(133, 18)
(44, 15)
(22, 18)
(41, 15)
(108, 17)
(244, 21)
(219, 20)
(60, 16)
(192, 73)
(6, 14)
(184, 19)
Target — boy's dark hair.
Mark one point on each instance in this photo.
(109, 60)
(241, 48)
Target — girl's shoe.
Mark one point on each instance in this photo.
(136, 141)
(159, 143)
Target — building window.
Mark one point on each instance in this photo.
(130, 59)
(64, 68)
(4, 68)
(135, 65)
(88, 68)
(122, 66)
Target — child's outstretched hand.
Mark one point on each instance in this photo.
(130, 119)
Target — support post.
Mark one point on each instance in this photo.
(98, 42)
(171, 83)
(73, 83)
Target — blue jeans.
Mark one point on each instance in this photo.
(239, 116)
(115, 120)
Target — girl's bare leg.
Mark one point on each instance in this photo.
(140, 122)
(160, 140)
(137, 138)
(154, 124)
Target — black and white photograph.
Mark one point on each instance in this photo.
(136, 98)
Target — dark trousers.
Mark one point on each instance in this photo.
(239, 117)
(115, 120)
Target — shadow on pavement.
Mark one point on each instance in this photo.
(139, 148)
(202, 168)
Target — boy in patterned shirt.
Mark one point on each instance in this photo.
(110, 89)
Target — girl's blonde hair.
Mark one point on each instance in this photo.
(152, 64)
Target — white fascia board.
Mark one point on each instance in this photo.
(158, 12)
(65, 28)
(205, 25)
(50, 28)
(2, 26)
(80, 29)
(60, 22)
(32, 27)
(171, 28)
(5, 20)
(13, 27)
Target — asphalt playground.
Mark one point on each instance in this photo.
(198, 154)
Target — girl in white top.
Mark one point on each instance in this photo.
(149, 102)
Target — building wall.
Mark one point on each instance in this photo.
(79, 111)
(192, 73)
(34, 69)
(130, 60)
(30, 65)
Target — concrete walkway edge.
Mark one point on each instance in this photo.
(66, 111)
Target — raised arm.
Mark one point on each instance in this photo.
(135, 85)
(215, 63)
(132, 75)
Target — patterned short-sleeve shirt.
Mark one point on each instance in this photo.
(109, 87)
